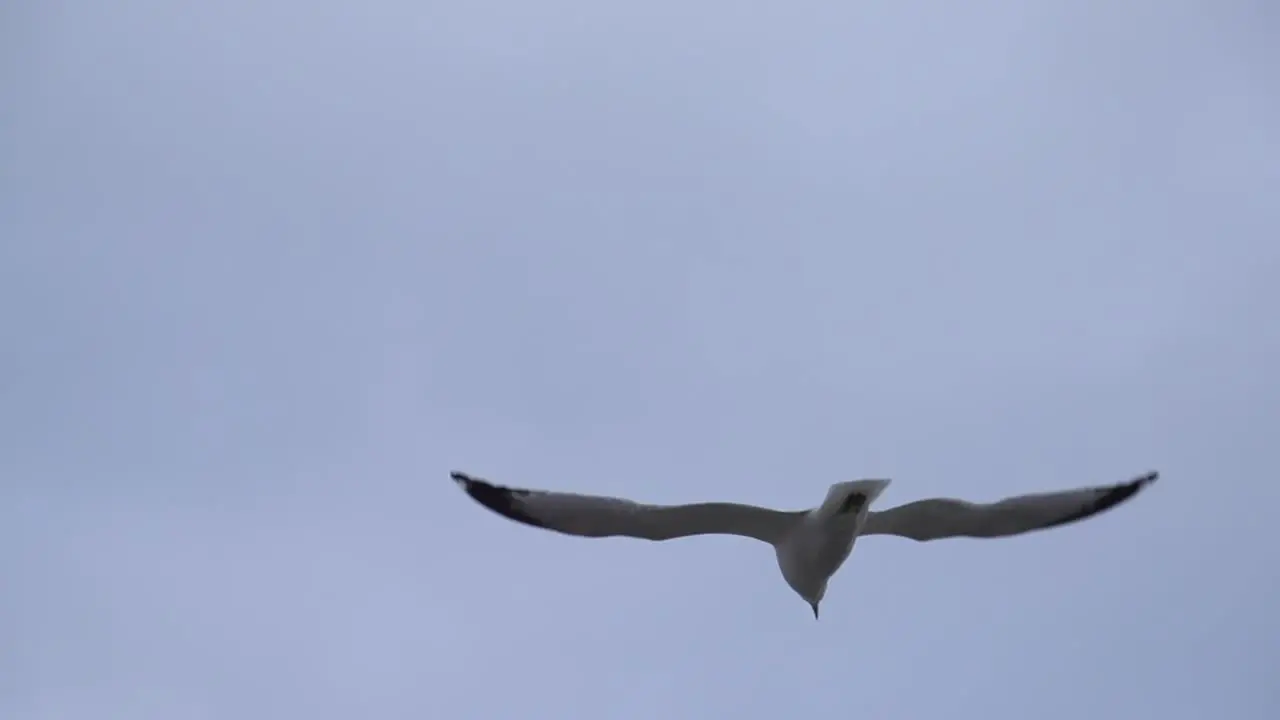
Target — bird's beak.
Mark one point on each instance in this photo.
(815, 610)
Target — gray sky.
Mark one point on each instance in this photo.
(270, 269)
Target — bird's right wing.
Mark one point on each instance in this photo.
(945, 517)
(593, 516)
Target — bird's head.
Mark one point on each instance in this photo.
(814, 598)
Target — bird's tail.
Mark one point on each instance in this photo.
(853, 496)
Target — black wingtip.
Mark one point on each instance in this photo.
(1124, 491)
(1112, 497)
(501, 500)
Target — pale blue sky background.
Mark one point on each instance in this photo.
(269, 269)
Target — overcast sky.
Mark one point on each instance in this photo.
(269, 269)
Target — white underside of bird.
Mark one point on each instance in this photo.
(810, 545)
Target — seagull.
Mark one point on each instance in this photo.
(810, 545)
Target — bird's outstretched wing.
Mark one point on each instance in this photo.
(592, 516)
(944, 517)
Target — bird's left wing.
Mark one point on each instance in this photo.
(944, 517)
(595, 516)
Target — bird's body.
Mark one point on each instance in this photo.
(821, 539)
(810, 545)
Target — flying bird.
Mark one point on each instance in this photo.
(810, 545)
